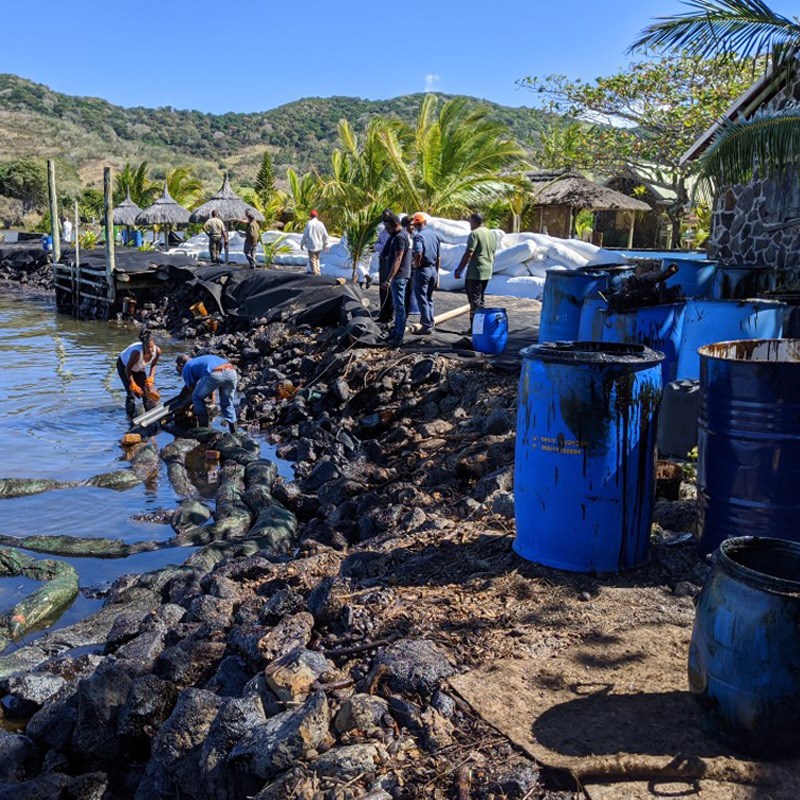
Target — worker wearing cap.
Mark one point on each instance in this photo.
(478, 260)
(427, 260)
(217, 237)
(202, 376)
(315, 240)
(252, 233)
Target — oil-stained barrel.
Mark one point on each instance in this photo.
(695, 276)
(709, 321)
(658, 327)
(744, 659)
(562, 301)
(741, 282)
(590, 327)
(748, 471)
(584, 474)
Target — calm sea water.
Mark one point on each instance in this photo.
(62, 416)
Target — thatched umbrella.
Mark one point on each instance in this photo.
(228, 205)
(577, 193)
(126, 213)
(165, 212)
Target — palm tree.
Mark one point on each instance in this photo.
(742, 29)
(132, 180)
(454, 160)
(185, 187)
(304, 192)
(360, 231)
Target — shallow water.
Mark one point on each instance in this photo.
(62, 416)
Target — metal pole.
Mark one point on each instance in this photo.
(77, 232)
(51, 188)
(109, 224)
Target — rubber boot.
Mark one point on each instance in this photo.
(232, 427)
(202, 420)
(130, 406)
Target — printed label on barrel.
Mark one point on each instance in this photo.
(477, 324)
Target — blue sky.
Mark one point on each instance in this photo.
(251, 56)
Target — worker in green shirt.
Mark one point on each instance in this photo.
(252, 234)
(478, 260)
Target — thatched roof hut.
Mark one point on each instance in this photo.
(560, 194)
(165, 211)
(228, 205)
(126, 212)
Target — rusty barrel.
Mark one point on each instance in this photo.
(584, 472)
(748, 472)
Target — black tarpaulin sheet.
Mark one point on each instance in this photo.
(258, 294)
(23, 255)
(131, 261)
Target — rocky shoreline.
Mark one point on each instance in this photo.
(304, 649)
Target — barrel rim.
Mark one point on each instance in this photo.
(759, 580)
(577, 273)
(495, 310)
(709, 356)
(596, 353)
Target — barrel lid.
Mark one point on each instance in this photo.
(594, 353)
(772, 565)
(582, 272)
(754, 351)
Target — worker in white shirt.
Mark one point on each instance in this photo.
(66, 230)
(315, 240)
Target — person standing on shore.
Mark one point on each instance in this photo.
(479, 263)
(252, 235)
(66, 230)
(217, 237)
(315, 240)
(399, 260)
(427, 259)
(132, 367)
(202, 376)
(385, 296)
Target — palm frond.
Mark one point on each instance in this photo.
(746, 28)
(768, 142)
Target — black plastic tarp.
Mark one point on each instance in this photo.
(258, 294)
(131, 261)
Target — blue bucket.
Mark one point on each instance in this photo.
(657, 327)
(562, 301)
(748, 471)
(47, 243)
(709, 321)
(584, 469)
(590, 326)
(695, 275)
(743, 659)
(490, 330)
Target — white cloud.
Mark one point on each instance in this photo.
(431, 80)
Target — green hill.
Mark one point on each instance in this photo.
(84, 133)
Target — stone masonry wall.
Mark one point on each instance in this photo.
(759, 223)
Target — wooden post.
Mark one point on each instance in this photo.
(51, 188)
(109, 220)
(631, 229)
(77, 233)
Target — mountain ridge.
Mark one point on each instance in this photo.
(84, 133)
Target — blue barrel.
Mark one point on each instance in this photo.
(695, 275)
(590, 327)
(584, 469)
(490, 330)
(744, 659)
(791, 310)
(709, 321)
(47, 243)
(748, 472)
(658, 327)
(562, 301)
(137, 238)
(741, 282)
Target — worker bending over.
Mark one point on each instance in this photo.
(202, 376)
(133, 364)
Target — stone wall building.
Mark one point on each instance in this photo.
(757, 224)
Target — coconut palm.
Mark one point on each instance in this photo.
(360, 230)
(133, 181)
(742, 29)
(304, 191)
(455, 159)
(185, 187)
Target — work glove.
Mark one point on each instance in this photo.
(134, 387)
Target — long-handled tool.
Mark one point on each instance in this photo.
(160, 412)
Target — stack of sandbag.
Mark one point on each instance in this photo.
(336, 263)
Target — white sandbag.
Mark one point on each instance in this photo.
(512, 256)
(510, 239)
(451, 255)
(530, 287)
(517, 271)
(449, 231)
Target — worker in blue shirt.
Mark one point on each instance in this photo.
(427, 260)
(202, 376)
